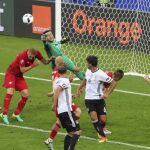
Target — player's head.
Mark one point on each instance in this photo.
(59, 61)
(62, 70)
(47, 36)
(118, 75)
(91, 61)
(31, 53)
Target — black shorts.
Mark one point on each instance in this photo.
(98, 106)
(69, 122)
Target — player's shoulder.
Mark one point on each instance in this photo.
(62, 80)
(100, 72)
(88, 71)
(23, 54)
(38, 52)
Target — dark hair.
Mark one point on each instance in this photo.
(93, 60)
(119, 73)
(46, 31)
(62, 70)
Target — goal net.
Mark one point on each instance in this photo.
(118, 35)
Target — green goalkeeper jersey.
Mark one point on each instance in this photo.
(53, 48)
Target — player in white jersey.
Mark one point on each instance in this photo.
(62, 103)
(94, 94)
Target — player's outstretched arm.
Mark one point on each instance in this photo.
(109, 90)
(45, 62)
(25, 69)
(55, 100)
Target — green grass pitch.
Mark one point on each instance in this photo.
(128, 114)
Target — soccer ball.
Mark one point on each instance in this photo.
(27, 18)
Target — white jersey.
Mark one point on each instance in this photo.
(95, 84)
(65, 97)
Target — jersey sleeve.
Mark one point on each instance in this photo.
(39, 55)
(104, 77)
(74, 106)
(109, 73)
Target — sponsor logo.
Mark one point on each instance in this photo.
(123, 30)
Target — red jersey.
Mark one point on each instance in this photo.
(22, 61)
(55, 74)
(110, 74)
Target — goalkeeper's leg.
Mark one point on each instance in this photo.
(71, 66)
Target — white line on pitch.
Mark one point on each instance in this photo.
(121, 91)
(82, 137)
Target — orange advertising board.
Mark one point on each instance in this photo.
(42, 19)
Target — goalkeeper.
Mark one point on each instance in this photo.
(53, 48)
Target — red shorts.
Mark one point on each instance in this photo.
(11, 81)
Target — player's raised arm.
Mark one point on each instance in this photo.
(25, 69)
(47, 61)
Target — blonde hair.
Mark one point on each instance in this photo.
(59, 62)
(33, 51)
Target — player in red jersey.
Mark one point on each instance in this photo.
(14, 80)
(55, 75)
(116, 76)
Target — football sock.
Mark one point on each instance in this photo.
(54, 131)
(99, 128)
(103, 124)
(74, 141)
(7, 101)
(67, 142)
(21, 105)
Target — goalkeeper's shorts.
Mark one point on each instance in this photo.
(69, 64)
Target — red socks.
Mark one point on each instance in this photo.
(21, 105)
(7, 101)
(54, 130)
